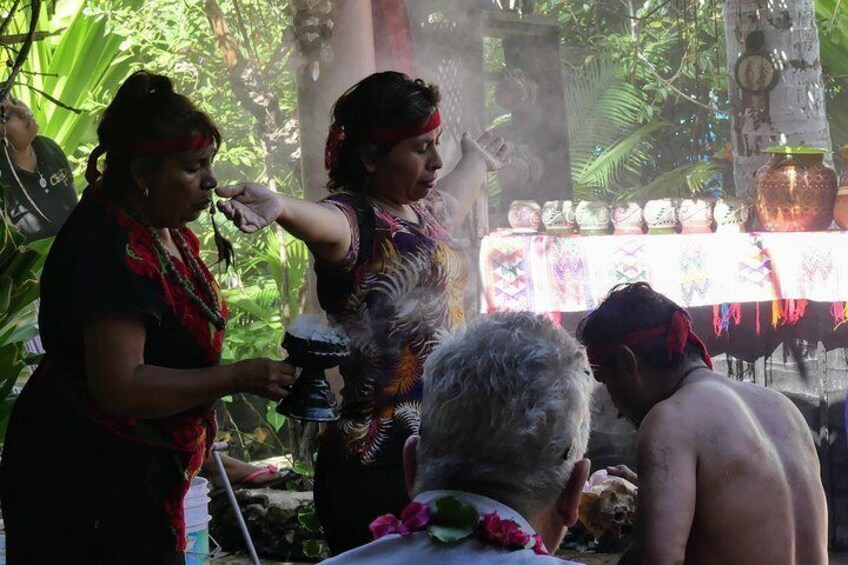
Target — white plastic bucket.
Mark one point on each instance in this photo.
(196, 508)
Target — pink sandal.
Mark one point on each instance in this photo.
(250, 480)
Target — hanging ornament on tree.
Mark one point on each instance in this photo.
(756, 71)
(313, 28)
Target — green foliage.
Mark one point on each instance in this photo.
(19, 268)
(832, 16)
(175, 39)
(645, 95)
(671, 57)
(81, 64)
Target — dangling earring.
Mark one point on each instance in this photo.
(145, 192)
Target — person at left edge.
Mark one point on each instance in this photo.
(109, 431)
(36, 181)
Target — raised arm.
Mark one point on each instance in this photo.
(462, 185)
(121, 383)
(322, 227)
(665, 504)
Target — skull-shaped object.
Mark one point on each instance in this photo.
(608, 506)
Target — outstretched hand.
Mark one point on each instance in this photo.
(493, 149)
(250, 207)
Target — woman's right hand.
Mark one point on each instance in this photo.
(251, 206)
(263, 377)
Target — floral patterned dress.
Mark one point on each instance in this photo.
(397, 293)
(124, 474)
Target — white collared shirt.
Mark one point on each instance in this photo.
(418, 548)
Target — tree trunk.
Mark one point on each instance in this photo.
(794, 111)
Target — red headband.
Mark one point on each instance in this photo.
(393, 134)
(171, 145)
(679, 334)
(381, 134)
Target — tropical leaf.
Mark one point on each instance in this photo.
(607, 136)
(75, 67)
(687, 179)
(602, 171)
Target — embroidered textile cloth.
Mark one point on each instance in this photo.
(542, 273)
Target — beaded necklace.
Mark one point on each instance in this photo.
(211, 310)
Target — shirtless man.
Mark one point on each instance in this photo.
(728, 472)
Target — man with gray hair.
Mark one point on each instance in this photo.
(498, 469)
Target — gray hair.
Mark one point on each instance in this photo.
(505, 411)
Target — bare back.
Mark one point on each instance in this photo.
(757, 486)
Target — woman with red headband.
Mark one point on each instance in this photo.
(109, 431)
(389, 273)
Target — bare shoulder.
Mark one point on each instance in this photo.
(668, 426)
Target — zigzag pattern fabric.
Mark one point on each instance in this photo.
(542, 273)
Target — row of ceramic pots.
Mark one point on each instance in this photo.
(662, 216)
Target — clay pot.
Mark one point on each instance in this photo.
(661, 216)
(731, 215)
(695, 215)
(558, 217)
(840, 211)
(627, 218)
(525, 215)
(593, 217)
(796, 191)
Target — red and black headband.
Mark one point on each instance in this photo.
(171, 144)
(380, 134)
(679, 334)
(147, 147)
(393, 134)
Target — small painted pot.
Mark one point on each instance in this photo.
(661, 216)
(731, 215)
(593, 217)
(627, 219)
(558, 217)
(525, 215)
(695, 215)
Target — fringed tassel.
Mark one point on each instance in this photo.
(226, 252)
(776, 312)
(723, 314)
(717, 320)
(795, 310)
(735, 312)
(839, 314)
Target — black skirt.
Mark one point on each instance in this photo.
(73, 492)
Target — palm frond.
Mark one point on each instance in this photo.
(597, 175)
(684, 180)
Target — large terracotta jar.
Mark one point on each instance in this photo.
(796, 191)
(840, 212)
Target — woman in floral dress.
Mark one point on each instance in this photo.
(389, 273)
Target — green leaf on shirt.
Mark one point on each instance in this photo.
(453, 520)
